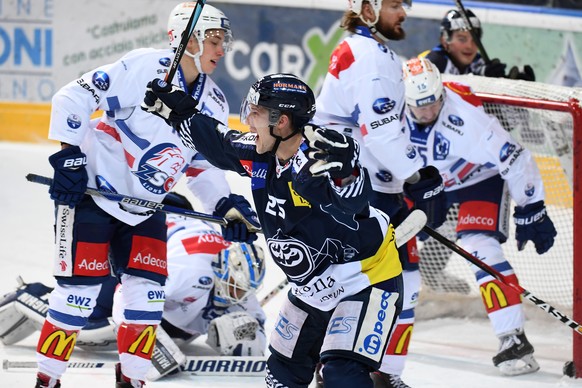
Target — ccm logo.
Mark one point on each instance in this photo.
(74, 163)
(432, 193)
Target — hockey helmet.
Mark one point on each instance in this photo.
(356, 5)
(238, 272)
(281, 93)
(211, 18)
(424, 89)
(454, 21)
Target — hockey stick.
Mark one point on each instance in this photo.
(196, 365)
(184, 41)
(403, 233)
(549, 309)
(474, 35)
(125, 199)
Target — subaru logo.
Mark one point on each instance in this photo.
(383, 105)
(456, 120)
(100, 80)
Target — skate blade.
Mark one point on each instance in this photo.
(527, 364)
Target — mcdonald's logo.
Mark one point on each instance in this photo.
(398, 345)
(493, 296)
(58, 345)
(144, 343)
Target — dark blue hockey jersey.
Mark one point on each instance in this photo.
(327, 239)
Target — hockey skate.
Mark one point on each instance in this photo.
(515, 355)
(384, 380)
(45, 381)
(122, 381)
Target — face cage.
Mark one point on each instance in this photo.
(227, 289)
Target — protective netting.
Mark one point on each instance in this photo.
(548, 135)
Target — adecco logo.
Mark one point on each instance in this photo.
(473, 220)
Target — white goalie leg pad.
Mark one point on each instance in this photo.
(166, 358)
(14, 326)
(237, 334)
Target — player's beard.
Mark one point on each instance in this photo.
(392, 32)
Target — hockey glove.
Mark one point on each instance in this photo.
(494, 69)
(168, 102)
(527, 74)
(243, 223)
(428, 195)
(533, 223)
(236, 334)
(70, 177)
(334, 153)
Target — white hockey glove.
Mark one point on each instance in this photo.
(237, 334)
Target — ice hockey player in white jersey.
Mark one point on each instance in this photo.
(363, 97)
(204, 271)
(129, 152)
(482, 167)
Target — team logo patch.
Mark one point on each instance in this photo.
(456, 120)
(382, 48)
(165, 62)
(101, 80)
(442, 146)
(74, 121)
(383, 105)
(292, 255)
(159, 166)
(506, 151)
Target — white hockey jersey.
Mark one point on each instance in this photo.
(468, 146)
(129, 151)
(363, 96)
(192, 245)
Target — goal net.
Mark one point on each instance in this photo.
(545, 119)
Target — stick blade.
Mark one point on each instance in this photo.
(410, 227)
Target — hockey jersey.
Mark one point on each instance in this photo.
(325, 238)
(192, 245)
(363, 96)
(468, 146)
(128, 150)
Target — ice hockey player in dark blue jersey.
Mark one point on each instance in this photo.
(311, 195)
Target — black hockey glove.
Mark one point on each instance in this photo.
(495, 68)
(527, 74)
(168, 102)
(334, 153)
(533, 223)
(428, 195)
(243, 223)
(70, 177)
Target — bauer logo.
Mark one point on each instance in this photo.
(165, 62)
(101, 80)
(506, 151)
(383, 105)
(74, 121)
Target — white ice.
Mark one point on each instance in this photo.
(444, 352)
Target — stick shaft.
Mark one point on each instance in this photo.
(184, 41)
(125, 199)
(549, 309)
(474, 35)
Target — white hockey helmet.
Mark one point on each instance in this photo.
(211, 18)
(356, 6)
(238, 272)
(422, 80)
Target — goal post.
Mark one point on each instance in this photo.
(546, 119)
